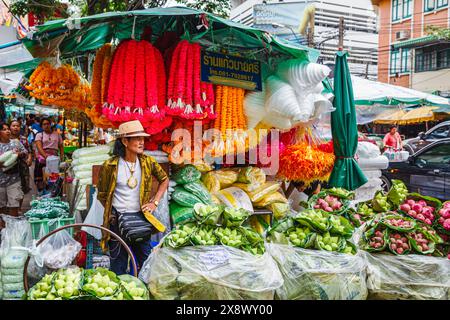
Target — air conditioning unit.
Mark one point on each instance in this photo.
(402, 35)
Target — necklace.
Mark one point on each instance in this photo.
(132, 181)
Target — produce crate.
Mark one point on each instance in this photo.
(47, 225)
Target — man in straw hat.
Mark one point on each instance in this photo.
(125, 190)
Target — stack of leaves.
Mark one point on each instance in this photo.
(305, 162)
(102, 64)
(59, 86)
(188, 97)
(230, 122)
(136, 87)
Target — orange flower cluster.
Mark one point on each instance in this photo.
(102, 64)
(60, 87)
(305, 162)
(230, 121)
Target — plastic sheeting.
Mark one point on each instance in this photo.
(319, 275)
(409, 277)
(210, 273)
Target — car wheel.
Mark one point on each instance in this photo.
(386, 184)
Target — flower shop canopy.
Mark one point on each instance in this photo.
(76, 36)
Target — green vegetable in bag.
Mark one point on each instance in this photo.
(204, 236)
(350, 248)
(6, 156)
(329, 243)
(233, 217)
(341, 193)
(198, 189)
(208, 214)
(301, 237)
(398, 243)
(365, 209)
(230, 237)
(421, 242)
(180, 213)
(341, 226)
(276, 233)
(398, 223)
(317, 220)
(380, 202)
(184, 198)
(134, 288)
(11, 160)
(180, 236)
(257, 250)
(188, 173)
(102, 284)
(398, 192)
(253, 237)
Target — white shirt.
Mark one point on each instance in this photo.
(126, 199)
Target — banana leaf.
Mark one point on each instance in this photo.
(412, 222)
(380, 205)
(415, 245)
(340, 193)
(306, 218)
(369, 234)
(347, 228)
(398, 193)
(321, 195)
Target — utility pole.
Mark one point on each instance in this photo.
(341, 34)
(367, 70)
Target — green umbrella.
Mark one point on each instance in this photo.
(346, 172)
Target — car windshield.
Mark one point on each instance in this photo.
(437, 155)
(440, 133)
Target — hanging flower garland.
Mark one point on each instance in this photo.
(136, 88)
(187, 96)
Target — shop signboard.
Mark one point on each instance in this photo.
(231, 70)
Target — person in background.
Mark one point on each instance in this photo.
(59, 125)
(37, 125)
(23, 127)
(124, 187)
(392, 139)
(48, 143)
(25, 163)
(11, 193)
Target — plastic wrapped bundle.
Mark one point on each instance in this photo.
(408, 277)
(302, 74)
(281, 98)
(376, 163)
(210, 273)
(319, 275)
(254, 108)
(367, 150)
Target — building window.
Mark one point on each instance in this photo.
(396, 10)
(443, 59)
(406, 62)
(407, 8)
(395, 61)
(430, 5)
(426, 61)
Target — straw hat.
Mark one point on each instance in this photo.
(132, 129)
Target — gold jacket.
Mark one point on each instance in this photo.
(107, 184)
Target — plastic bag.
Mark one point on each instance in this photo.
(211, 182)
(367, 150)
(235, 198)
(275, 197)
(319, 275)
(187, 174)
(226, 177)
(280, 210)
(59, 250)
(86, 152)
(210, 273)
(409, 277)
(91, 160)
(83, 174)
(252, 175)
(162, 214)
(94, 217)
(180, 213)
(185, 198)
(264, 190)
(135, 288)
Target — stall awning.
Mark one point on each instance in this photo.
(414, 42)
(78, 35)
(403, 117)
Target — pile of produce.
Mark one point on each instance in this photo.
(443, 221)
(216, 225)
(314, 229)
(77, 284)
(420, 208)
(335, 200)
(48, 208)
(136, 87)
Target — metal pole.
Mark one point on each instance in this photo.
(341, 34)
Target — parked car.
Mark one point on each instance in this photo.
(427, 171)
(438, 132)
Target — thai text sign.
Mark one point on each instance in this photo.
(231, 71)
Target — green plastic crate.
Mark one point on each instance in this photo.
(41, 227)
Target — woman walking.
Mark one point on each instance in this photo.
(124, 189)
(11, 193)
(48, 143)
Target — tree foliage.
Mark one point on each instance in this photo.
(438, 32)
(220, 8)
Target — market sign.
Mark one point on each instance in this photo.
(231, 71)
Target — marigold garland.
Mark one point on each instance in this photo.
(305, 162)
